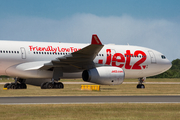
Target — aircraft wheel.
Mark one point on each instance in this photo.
(43, 85)
(49, 85)
(23, 86)
(56, 85)
(61, 85)
(6, 85)
(141, 86)
(12, 86)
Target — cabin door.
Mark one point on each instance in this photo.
(23, 53)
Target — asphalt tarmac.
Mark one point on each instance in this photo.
(88, 99)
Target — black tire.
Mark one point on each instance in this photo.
(12, 86)
(56, 85)
(18, 86)
(140, 86)
(43, 85)
(6, 85)
(49, 85)
(23, 86)
(61, 85)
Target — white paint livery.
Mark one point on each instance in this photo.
(38, 62)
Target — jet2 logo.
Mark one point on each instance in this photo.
(118, 57)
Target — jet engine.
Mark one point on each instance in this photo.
(105, 75)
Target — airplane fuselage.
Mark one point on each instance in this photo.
(22, 59)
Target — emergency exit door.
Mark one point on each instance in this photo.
(153, 58)
(23, 53)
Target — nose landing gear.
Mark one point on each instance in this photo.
(140, 84)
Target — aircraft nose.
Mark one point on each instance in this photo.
(166, 64)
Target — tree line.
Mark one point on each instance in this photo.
(173, 72)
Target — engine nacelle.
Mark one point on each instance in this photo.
(105, 75)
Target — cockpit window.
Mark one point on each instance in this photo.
(163, 57)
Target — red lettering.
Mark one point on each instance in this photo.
(67, 50)
(108, 60)
(137, 64)
(115, 59)
(128, 59)
(53, 49)
(100, 61)
(31, 48)
(116, 71)
(75, 49)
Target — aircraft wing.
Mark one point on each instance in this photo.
(79, 60)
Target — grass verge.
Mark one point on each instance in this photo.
(121, 111)
(105, 90)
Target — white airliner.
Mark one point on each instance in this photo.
(45, 63)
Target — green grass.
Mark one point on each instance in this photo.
(121, 111)
(105, 90)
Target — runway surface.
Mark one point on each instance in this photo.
(89, 99)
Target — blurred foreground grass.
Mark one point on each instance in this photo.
(121, 111)
(118, 111)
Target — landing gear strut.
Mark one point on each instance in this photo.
(18, 84)
(54, 84)
(140, 85)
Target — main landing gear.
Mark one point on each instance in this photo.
(140, 85)
(52, 85)
(18, 84)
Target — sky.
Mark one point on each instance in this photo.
(149, 23)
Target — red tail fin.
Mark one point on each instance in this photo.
(95, 40)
